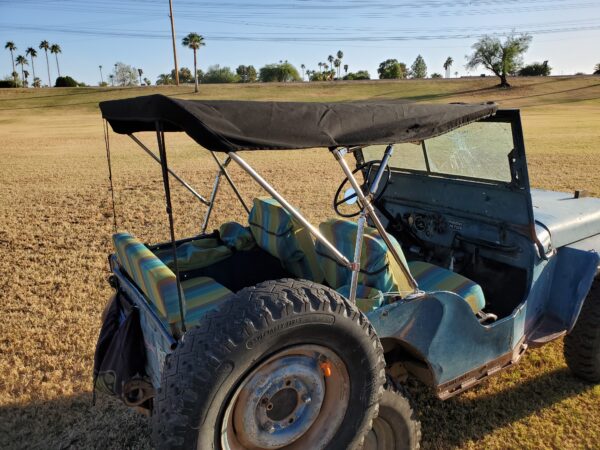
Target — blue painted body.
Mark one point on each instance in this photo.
(552, 237)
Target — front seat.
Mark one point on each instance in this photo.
(379, 270)
(278, 233)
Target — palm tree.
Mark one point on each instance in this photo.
(302, 66)
(55, 48)
(194, 41)
(337, 63)
(597, 69)
(320, 67)
(26, 75)
(455, 74)
(32, 54)
(448, 65)
(37, 82)
(101, 77)
(340, 55)
(164, 78)
(22, 61)
(111, 77)
(330, 58)
(11, 48)
(140, 72)
(44, 45)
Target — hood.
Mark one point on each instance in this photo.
(566, 218)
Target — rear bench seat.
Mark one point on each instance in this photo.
(158, 283)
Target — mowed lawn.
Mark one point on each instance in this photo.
(56, 223)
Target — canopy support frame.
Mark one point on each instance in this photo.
(160, 137)
(214, 192)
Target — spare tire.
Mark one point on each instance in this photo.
(286, 364)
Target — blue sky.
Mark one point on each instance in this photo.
(258, 32)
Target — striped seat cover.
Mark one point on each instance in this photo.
(159, 284)
(278, 233)
(378, 269)
(433, 278)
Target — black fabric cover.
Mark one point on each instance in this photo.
(120, 358)
(227, 125)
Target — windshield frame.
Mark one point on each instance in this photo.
(517, 161)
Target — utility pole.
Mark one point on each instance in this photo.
(174, 43)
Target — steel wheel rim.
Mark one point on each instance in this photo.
(295, 400)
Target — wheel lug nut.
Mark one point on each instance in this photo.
(269, 427)
(306, 398)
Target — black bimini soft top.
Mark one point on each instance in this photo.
(227, 125)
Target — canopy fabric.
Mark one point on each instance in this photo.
(228, 125)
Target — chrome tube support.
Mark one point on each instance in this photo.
(213, 194)
(289, 208)
(367, 207)
(230, 181)
(177, 177)
(357, 252)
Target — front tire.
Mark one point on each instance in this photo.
(246, 371)
(396, 427)
(582, 344)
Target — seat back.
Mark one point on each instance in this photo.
(378, 268)
(278, 233)
(151, 275)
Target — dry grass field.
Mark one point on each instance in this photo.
(55, 227)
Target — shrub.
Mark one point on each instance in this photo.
(66, 82)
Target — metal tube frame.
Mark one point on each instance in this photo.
(230, 181)
(213, 194)
(367, 208)
(177, 177)
(289, 208)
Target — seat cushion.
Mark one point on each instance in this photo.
(236, 236)
(278, 233)
(159, 284)
(433, 278)
(195, 254)
(378, 268)
(202, 294)
(367, 299)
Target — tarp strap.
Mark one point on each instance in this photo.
(160, 137)
(110, 178)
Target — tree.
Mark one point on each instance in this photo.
(535, 70)
(26, 76)
(165, 79)
(391, 69)
(436, 75)
(147, 81)
(340, 57)
(302, 67)
(194, 41)
(419, 68)
(346, 69)
(448, 65)
(185, 75)
(337, 63)
(32, 54)
(360, 75)
(140, 72)
(125, 75)
(111, 77)
(22, 61)
(246, 74)
(282, 72)
(218, 74)
(44, 45)
(501, 58)
(597, 69)
(66, 82)
(330, 58)
(11, 47)
(55, 48)
(37, 82)
(101, 77)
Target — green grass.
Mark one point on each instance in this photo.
(55, 227)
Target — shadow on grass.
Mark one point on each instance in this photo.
(459, 420)
(73, 423)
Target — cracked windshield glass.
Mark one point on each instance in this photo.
(477, 150)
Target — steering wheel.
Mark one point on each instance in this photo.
(349, 196)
